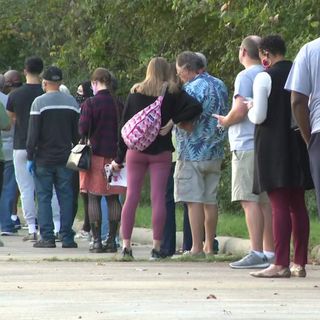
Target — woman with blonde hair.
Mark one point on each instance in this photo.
(157, 157)
(99, 121)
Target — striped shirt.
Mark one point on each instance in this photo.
(53, 128)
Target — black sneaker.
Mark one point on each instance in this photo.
(69, 245)
(156, 255)
(215, 246)
(127, 254)
(44, 244)
(17, 223)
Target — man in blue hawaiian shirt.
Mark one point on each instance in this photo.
(200, 152)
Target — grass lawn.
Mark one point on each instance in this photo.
(228, 225)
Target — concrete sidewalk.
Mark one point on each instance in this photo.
(72, 284)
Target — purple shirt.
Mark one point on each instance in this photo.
(99, 119)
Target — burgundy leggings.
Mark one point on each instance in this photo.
(290, 215)
(137, 165)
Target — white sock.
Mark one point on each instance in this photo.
(14, 217)
(32, 228)
(260, 254)
(269, 254)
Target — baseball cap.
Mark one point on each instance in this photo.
(52, 74)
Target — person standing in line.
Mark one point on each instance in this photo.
(18, 107)
(9, 188)
(280, 161)
(200, 153)
(99, 121)
(52, 131)
(304, 83)
(157, 156)
(257, 208)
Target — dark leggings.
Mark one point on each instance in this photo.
(86, 222)
(289, 215)
(94, 207)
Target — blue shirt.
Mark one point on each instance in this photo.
(241, 135)
(205, 142)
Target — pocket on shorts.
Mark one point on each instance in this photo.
(182, 178)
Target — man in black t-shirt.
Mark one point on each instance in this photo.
(18, 107)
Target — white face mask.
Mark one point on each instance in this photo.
(94, 87)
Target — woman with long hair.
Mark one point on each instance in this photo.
(99, 121)
(281, 161)
(157, 157)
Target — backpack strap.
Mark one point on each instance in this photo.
(164, 89)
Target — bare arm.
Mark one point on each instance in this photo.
(300, 110)
(235, 115)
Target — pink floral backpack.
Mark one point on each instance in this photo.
(143, 128)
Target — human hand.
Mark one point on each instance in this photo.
(31, 166)
(249, 102)
(166, 128)
(116, 166)
(221, 120)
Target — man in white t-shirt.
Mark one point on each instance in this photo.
(241, 138)
(304, 83)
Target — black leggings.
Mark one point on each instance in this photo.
(94, 207)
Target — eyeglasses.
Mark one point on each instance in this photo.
(181, 70)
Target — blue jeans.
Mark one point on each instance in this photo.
(61, 177)
(104, 218)
(8, 197)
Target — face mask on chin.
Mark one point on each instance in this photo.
(79, 97)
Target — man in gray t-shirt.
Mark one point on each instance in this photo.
(241, 138)
(304, 83)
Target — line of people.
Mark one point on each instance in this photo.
(270, 162)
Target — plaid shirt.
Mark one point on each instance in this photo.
(99, 120)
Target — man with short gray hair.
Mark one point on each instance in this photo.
(200, 153)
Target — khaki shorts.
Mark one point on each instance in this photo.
(197, 181)
(242, 178)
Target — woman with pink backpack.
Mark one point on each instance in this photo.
(150, 105)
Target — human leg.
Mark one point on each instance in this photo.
(114, 216)
(63, 186)
(94, 209)
(255, 224)
(55, 212)
(168, 245)
(44, 180)
(7, 198)
(159, 166)
(196, 218)
(314, 158)
(282, 227)
(210, 224)
(187, 237)
(268, 242)
(300, 226)
(136, 167)
(86, 222)
(211, 171)
(26, 187)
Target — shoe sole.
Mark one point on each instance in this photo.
(255, 266)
